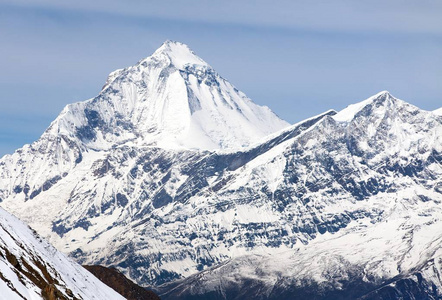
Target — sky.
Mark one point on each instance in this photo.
(299, 58)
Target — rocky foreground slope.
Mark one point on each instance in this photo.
(117, 281)
(30, 268)
(147, 177)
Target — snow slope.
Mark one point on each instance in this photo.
(30, 268)
(172, 99)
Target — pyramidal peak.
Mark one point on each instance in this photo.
(178, 54)
(171, 99)
(170, 54)
(382, 99)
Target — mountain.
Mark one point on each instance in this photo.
(30, 268)
(357, 200)
(343, 205)
(170, 108)
(172, 99)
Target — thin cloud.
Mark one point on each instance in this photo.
(402, 16)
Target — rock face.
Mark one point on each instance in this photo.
(340, 206)
(30, 268)
(117, 281)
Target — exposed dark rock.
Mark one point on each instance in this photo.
(35, 193)
(116, 280)
(161, 199)
(50, 182)
(122, 199)
(59, 228)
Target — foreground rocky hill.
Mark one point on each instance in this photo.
(30, 268)
(117, 281)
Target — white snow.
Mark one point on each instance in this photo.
(179, 54)
(348, 113)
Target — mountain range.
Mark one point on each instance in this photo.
(176, 178)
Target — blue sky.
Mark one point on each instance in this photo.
(300, 58)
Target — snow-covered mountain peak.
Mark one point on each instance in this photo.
(384, 93)
(438, 111)
(172, 99)
(379, 103)
(177, 54)
(384, 126)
